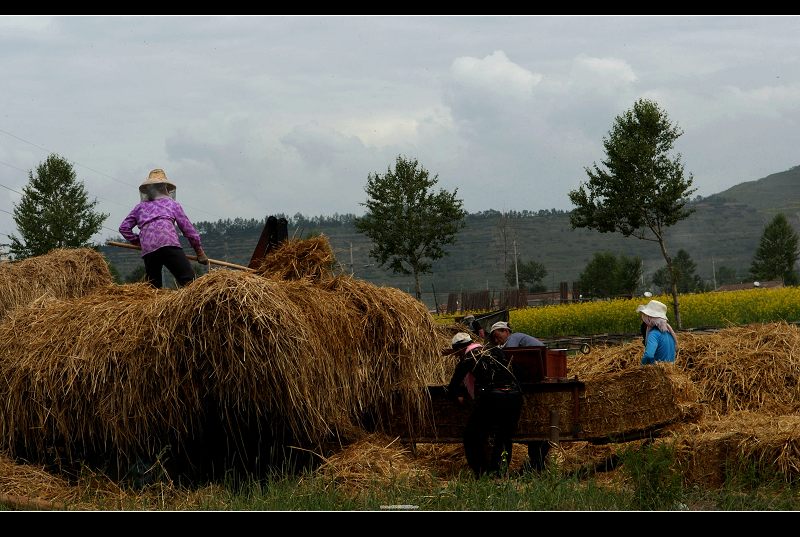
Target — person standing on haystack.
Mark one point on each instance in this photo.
(660, 340)
(484, 374)
(155, 216)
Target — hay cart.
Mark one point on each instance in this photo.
(551, 409)
(615, 407)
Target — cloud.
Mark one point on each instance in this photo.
(495, 74)
(601, 74)
(318, 146)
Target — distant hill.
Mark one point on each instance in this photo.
(776, 193)
(724, 231)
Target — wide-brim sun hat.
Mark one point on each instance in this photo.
(654, 308)
(498, 326)
(157, 177)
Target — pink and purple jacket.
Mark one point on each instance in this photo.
(156, 222)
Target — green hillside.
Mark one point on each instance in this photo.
(779, 192)
(724, 231)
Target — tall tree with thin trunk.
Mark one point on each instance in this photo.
(640, 190)
(54, 212)
(409, 224)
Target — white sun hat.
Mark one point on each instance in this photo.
(499, 325)
(462, 338)
(654, 308)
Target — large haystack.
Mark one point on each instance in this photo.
(235, 362)
(62, 273)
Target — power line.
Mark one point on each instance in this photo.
(87, 167)
(21, 194)
(12, 190)
(12, 214)
(12, 166)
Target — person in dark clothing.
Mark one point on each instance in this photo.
(484, 375)
(474, 325)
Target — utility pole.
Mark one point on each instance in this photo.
(352, 270)
(713, 273)
(516, 271)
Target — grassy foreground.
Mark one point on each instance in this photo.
(644, 480)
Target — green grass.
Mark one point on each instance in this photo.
(651, 484)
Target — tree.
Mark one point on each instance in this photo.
(641, 190)
(607, 275)
(54, 211)
(597, 278)
(726, 275)
(530, 273)
(777, 253)
(407, 222)
(629, 274)
(685, 277)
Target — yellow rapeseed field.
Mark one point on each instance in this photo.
(714, 309)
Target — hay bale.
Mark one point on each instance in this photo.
(61, 273)
(130, 369)
(297, 259)
(709, 451)
(634, 402)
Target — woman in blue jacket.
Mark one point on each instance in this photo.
(660, 340)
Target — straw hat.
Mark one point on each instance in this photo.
(157, 177)
(654, 308)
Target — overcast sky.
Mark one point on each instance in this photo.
(258, 115)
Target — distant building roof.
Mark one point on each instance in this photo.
(750, 285)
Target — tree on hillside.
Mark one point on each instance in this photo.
(726, 275)
(777, 253)
(640, 190)
(686, 279)
(54, 212)
(629, 274)
(530, 275)
(407, 222)
(607, 275)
